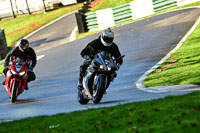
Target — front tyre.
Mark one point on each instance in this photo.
(15, 85)
(99, 88)
(81, 98)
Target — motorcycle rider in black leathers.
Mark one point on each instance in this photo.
(103, 43)
(24, 52)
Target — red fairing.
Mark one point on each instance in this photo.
(17, 72)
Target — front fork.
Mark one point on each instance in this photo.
(96, 80)
(11, 84)
(86, 85)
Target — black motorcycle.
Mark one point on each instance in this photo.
(99, 74)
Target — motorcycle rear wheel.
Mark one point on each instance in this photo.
(81, 98)
(13, 97)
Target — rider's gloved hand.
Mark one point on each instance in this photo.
(5, 70)
(118, 66)
(30, 68)
(6, 63)
(87, 57)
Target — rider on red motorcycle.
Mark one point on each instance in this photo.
(24, 52)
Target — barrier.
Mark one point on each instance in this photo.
(185, 2)
(141, 8)
(3, 44)
(134, 10)
(160, 5)
(80, 22)
(122, 13)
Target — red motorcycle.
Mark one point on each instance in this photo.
(16, 78)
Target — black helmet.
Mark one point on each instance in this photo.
(107, 37)
(23, 44)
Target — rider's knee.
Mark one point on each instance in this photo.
(5, 70)
(31, 76)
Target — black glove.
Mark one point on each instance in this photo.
(6, 63)
(30, 68)
(5, 70)
(87, 57)
(118, 66)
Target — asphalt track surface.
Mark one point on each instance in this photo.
(144, 43)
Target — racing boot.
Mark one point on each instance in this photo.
(26, 88)
(80, 85)
(4, 82)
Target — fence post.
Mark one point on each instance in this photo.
(45, 10)
(79, 1)
(3, 44)
(81, 22)
(29, 12)
(14, 16)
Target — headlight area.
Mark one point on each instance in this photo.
(109, 68)
(22, 73)
(13, 72)
(101, 67)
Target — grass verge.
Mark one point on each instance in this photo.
(1, 69)
(23, 25)
(109, 4)
(183, 66)
(172, 114)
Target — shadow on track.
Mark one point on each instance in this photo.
(107, 102)
(22, 101)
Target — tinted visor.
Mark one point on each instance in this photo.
(24, 45)
(108, 39)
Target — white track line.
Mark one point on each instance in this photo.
(142, 87)
(73, 34)
(47, 25)
(40, 57)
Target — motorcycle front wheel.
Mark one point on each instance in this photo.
(99, 88)
(13, 97)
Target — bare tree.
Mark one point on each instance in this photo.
(16, 7)
(44, 6)
(29, 12)
(12, 9)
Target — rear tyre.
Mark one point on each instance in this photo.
(14, 91)
(98, 89)
(81, 98)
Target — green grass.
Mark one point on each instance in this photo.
(23, 25)
(188, 5)
(178, 114)
(185, 69)
(109, 4)
(1, 69)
